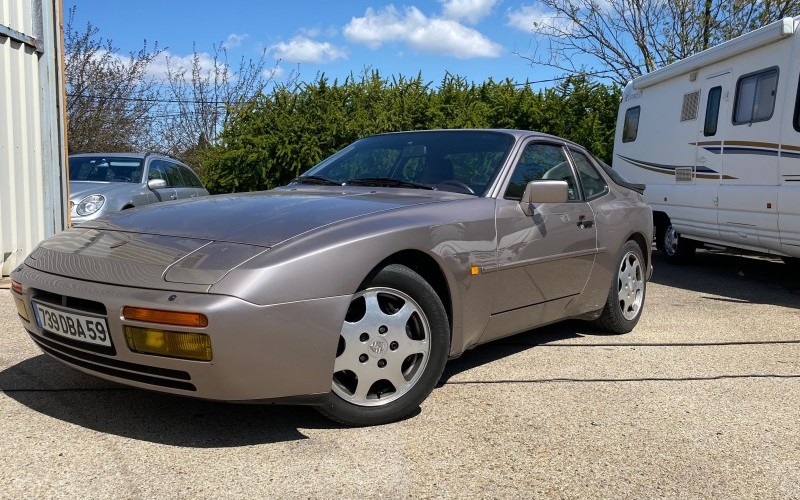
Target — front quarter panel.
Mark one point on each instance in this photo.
(335, 260)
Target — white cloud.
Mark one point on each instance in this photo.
(432, 35)
(304, 49)
(273, 73)
(470, 11)
(158, 68)
(528, 16)
(234, 40)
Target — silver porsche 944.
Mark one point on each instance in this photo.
(352, 286)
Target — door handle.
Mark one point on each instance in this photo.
(585, 224)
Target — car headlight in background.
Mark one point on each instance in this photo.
(90, 204)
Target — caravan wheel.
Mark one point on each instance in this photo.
(676, 249)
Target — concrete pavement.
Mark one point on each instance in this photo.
(699, 401)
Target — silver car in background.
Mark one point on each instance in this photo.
(103, 183)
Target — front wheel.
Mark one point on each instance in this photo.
(626, 295)
(392, 350)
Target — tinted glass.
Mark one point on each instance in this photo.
(156, 171)
(105, 169)
(172, 174)
(755, 97)
(593, 183)
(630, 128)
(540, 161)
(470, 158)
(189, 177)
(712, 111)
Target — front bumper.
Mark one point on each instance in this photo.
(268, 352)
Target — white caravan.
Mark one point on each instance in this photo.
(716, 140)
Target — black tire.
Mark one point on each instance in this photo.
(626, 295)
(675, 248)
(376, 337)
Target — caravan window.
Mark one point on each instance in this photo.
(631, 126)
(797, 109)
(712, 111)
(755, 97)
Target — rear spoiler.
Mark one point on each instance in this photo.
(639, 188)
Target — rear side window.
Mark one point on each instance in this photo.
(189, 177)
(173, 175)
(591, 180)
(755, 97)
(631, 126)
(712, 112)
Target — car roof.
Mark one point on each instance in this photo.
(138, 156)
(517, 133)
(109, 153)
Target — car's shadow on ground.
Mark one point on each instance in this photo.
(147, 416)
(502, 348)
(47, 387)
(733, 278)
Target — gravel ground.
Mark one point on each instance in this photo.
(699, 401)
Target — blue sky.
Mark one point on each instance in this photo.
(476, 39)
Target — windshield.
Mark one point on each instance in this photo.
(447, 160)
(105, 169)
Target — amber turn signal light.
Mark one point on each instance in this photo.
(176, 318)
(17, 287)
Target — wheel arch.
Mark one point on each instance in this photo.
(660, 219)
(427, 267)
(641, 240)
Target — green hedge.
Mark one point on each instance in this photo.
(276, 137)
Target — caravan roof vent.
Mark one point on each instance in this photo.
(691, 103)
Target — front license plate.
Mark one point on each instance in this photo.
(75, 326)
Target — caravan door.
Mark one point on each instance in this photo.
(709, 161)
(747, 209)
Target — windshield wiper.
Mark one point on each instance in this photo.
(386, 182)
(316, 179)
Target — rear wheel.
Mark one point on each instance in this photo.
(626, 295)
(675, 248)
(392, 350)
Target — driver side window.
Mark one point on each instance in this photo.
(541, 161)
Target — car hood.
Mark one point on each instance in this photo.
(79, 190)
(192, 245)
(265, 218)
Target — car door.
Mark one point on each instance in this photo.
(156, 171)
(545, 257)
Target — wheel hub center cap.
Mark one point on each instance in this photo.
(378, 347)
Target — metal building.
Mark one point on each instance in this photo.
(33, 181)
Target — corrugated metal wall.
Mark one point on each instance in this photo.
(32, 127)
